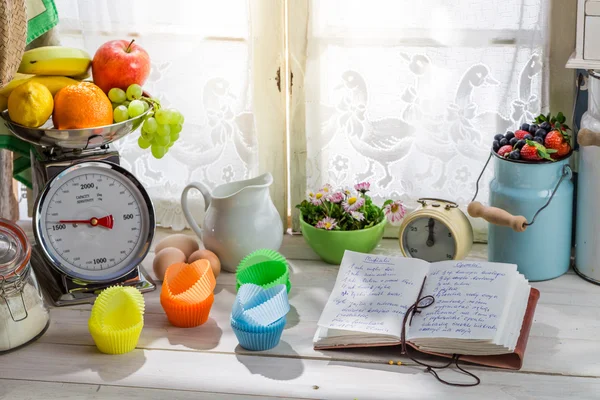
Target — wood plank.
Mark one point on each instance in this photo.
(30, 390)
(563, 338)
(251, 375)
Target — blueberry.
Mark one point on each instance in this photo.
(528, 137)
(546, 125)
(533, 128)
(539, 139)
(503, 142)
(498, 136)
(495, 146)
(541, 132)
(520, 144)
(509, 135)
(513, 141)
(514, 155)
(525, 127)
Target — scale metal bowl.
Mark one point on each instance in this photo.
(88, 138)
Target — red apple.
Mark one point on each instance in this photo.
(118, 64)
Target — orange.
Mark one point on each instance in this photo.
(83, 105)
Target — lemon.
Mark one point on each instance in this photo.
(30, 104)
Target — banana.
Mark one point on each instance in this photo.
(17, 80)
(55, 60)
(53, 83)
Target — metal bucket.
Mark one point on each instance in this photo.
(530, 215)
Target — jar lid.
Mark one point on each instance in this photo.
(15, 250)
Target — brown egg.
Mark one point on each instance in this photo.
(165, 258)
(185, 243)
(212, 258)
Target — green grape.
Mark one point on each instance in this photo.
(163, 130)
(150, 125)
(115, 105)
(174, 136)
(170, 144)
(134, 92)
(176, 128)
(146, 106)
(161, 116)
(176, 117)
(163, 140)
(143, 143)
(120, 114)
(146, 135)
(117, 95)
(125, 103)
(158, 151)
(136, 108)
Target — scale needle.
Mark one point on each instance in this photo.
(106, 222)
(430, 240)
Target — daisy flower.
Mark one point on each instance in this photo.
(326, 223)
(394, 211)
(327, 188)
(353, 203)
(357, 215)
(362, 187)
(336, 197)
(318, 198)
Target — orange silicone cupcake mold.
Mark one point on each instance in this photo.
(187, 293)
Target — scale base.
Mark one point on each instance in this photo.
(65, 291)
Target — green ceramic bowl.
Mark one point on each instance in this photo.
(331, 245)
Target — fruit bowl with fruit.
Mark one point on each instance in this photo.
(544, 140)
(51, 102)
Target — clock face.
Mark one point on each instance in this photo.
(94, 221)
(428, 239)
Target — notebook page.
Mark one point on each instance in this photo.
(372, 293)
(470, 300)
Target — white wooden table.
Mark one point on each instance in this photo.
(562, 359)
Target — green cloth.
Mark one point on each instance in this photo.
(42, 17)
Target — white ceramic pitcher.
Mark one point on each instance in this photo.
(240, 218)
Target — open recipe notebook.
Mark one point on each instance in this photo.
(482, 311)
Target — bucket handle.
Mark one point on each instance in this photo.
(500, 217)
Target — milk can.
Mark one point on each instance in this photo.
(587, 231)
(530, 216)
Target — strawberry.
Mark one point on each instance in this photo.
(504, 150)
(558, 140)
(529, 152)
(534, 151)
(520, 134)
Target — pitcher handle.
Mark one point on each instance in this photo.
(586, 137)
(184, 204)
(497, 216)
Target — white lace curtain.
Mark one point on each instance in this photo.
(409, 94)
(201, 65)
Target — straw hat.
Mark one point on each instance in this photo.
(13, 37)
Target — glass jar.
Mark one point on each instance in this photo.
(24, 316)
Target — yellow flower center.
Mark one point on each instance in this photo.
(352, 200)
(327, 225)
(326, 189)
(394, 208)
(311, 194)
(319, 195)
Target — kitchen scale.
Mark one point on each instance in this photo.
(93, 222)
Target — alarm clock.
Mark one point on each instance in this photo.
(438, 230)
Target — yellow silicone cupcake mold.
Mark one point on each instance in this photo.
(117, 319)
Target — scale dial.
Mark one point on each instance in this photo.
(429, 239)
(94, 221)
